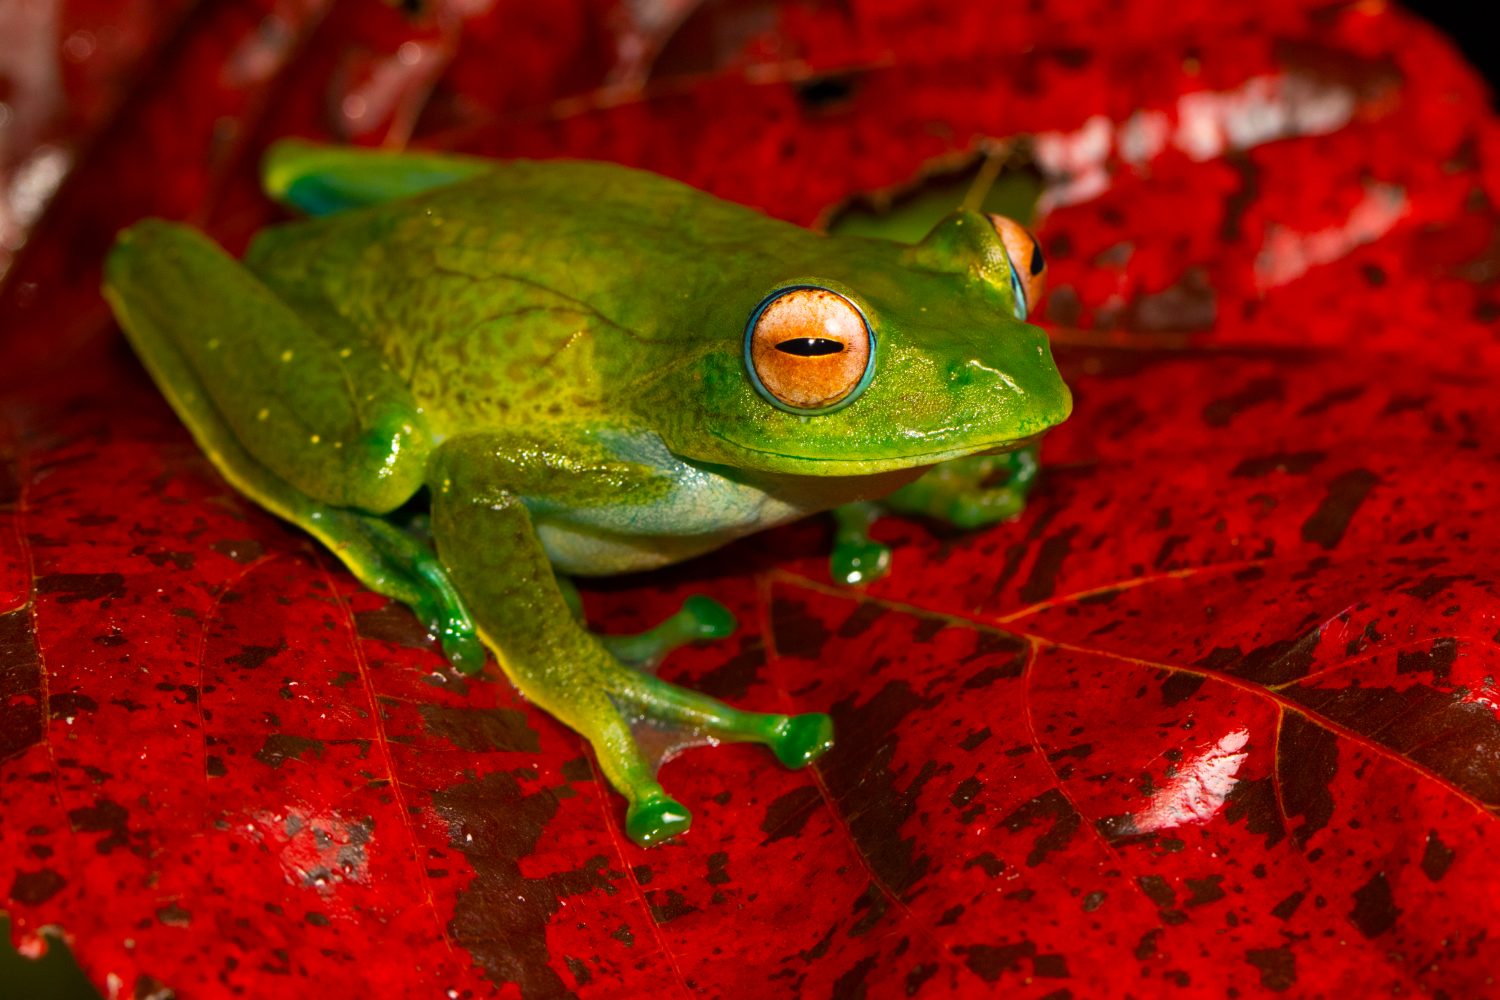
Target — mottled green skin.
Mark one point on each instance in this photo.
(555, 351)
(587, 293)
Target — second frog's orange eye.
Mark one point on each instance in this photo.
(808, 349)
(1028, 266)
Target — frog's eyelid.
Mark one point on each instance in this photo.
(1017, 289)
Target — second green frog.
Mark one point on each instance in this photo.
(589, 370)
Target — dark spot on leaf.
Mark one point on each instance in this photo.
(822, 92)
(789, 812)
(250, 657)
(1157, 890)
(69, 706)
(1179, 686)
(869, 907)
(975, 738)
(174, 915)
(990, 962)
(1433, 586)
(104, 816)
(22, 717)
(667, 905)
(481, 729)
(858, 776)
(851, 985)
(82, 586)
(1278, 967)
(1042, 582)
(396, 624)
(1050, 807)
(717, 863)
(860, 622)
(1204, 890)
(1094, 900)
(278, 748)
(918, 977)
(797, 632)
(577, 769)
(733, 679)
(1284, 909)
(965, 792)
(501, 917)
(35, 888)
(986, 862)
(1307, 761)
(1255, 802)
(1437, 661)
(1145, 948)
(241, 550)
(1261, 390)
(1375, 910)
(214, 766)
(1436, 857)
(1293, 463)
(580, 971)
(1327, 524)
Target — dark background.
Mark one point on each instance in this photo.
(1470, 24)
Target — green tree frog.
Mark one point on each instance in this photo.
(585, 369)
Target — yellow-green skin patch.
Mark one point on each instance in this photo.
(555, 350)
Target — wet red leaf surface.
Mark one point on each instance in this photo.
(1217, 713)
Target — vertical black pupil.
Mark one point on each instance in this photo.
(810, 347)
(1037, 260)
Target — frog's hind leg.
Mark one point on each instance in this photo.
(211, 336)
(485, 536)
(321, 180)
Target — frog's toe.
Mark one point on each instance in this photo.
(700, 618)
(708, 618)
(801, 739)
(464, 650)
(856, 563)
(652, 820)
(985, 507)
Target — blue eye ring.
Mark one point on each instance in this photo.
(770, 397)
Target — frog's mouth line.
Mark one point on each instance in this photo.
(888, 463)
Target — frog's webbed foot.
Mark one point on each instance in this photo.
(967, 493)
(680, 718)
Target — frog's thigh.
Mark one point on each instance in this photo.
(321, 412)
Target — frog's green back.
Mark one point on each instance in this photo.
(589, 293)
(534, 290)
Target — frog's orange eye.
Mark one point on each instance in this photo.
(808, 349)
(1028, 267)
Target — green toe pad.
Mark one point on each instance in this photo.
(654, 820)
(802, 739)
(861, 562)
(464, 651)
(711, 619)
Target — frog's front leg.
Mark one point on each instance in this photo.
(486, 539)
(965, 492)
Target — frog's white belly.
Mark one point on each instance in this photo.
(704, 509)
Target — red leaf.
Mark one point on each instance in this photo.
(1217, 712)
